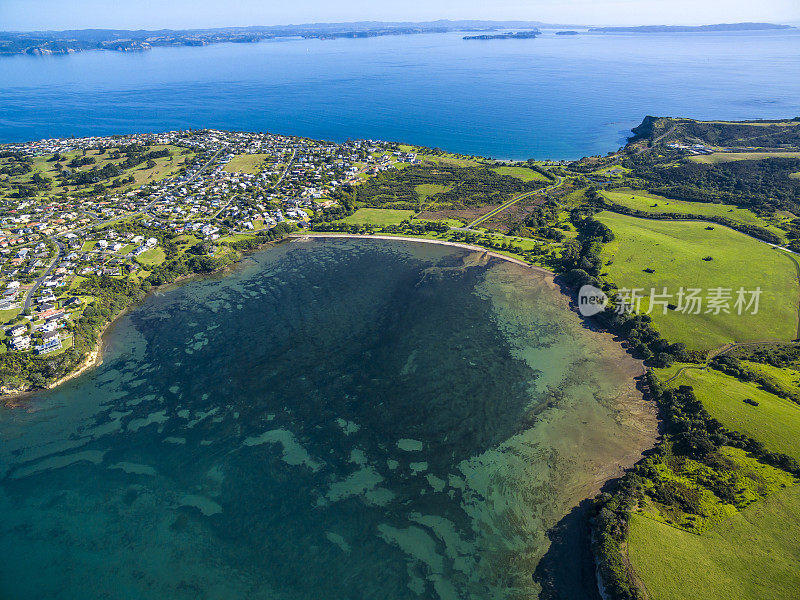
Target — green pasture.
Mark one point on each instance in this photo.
(673, 254)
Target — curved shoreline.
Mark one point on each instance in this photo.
(95, 357)
(629, 399)
(522, 263)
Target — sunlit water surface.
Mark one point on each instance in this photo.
(549, 97)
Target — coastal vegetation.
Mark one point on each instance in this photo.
(747, 407)
(718, 490)
(459, 187)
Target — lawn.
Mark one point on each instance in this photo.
(775, 422)
(154, 256)
(247, 163)
(378, 216)
(723, 157)
(754, 554)
(7, 315)
(523, 173)
(675, 251)
(650, 203)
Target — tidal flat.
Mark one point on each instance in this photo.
(336, 418)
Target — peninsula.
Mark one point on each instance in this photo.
(119, 40)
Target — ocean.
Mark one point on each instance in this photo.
(559, 97)
(342, 419)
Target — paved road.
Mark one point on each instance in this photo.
(38, 283)
(504, 206)
(286, 170)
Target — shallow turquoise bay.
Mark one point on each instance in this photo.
(334, 419)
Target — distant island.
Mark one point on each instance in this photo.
(521, 35)
(120, 40)
(43, 43)
(689, 28)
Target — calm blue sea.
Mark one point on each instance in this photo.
(555, 96)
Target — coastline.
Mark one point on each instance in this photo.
(93, 359)
(602, 472)
(95, 356)
(522, 263)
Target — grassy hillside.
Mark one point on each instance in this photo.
(676, 252)
(246, 163)
(658, 205)
(775, 422)
(722, 157)
(752, 555)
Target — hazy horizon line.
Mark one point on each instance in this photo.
(520, 22)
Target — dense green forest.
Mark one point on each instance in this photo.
(756, 184)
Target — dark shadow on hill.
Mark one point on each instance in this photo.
(567, 572)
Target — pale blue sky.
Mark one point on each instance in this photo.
(153, 14)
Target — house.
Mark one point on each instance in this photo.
(49, 345)
(16, 331)
(55, 313)
(49, 336)
(20, 343)
(49, 326)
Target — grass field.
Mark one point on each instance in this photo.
(675, 251)
(650, 203)
(426, 190)
(378, 216)
(775, 422)
(723, 157)
(154, 256)
(754, 554)
(523, 173)
(246, 163)
(164, 167)
(785, 379)
(449, 160)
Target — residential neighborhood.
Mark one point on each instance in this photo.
(74, 208)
